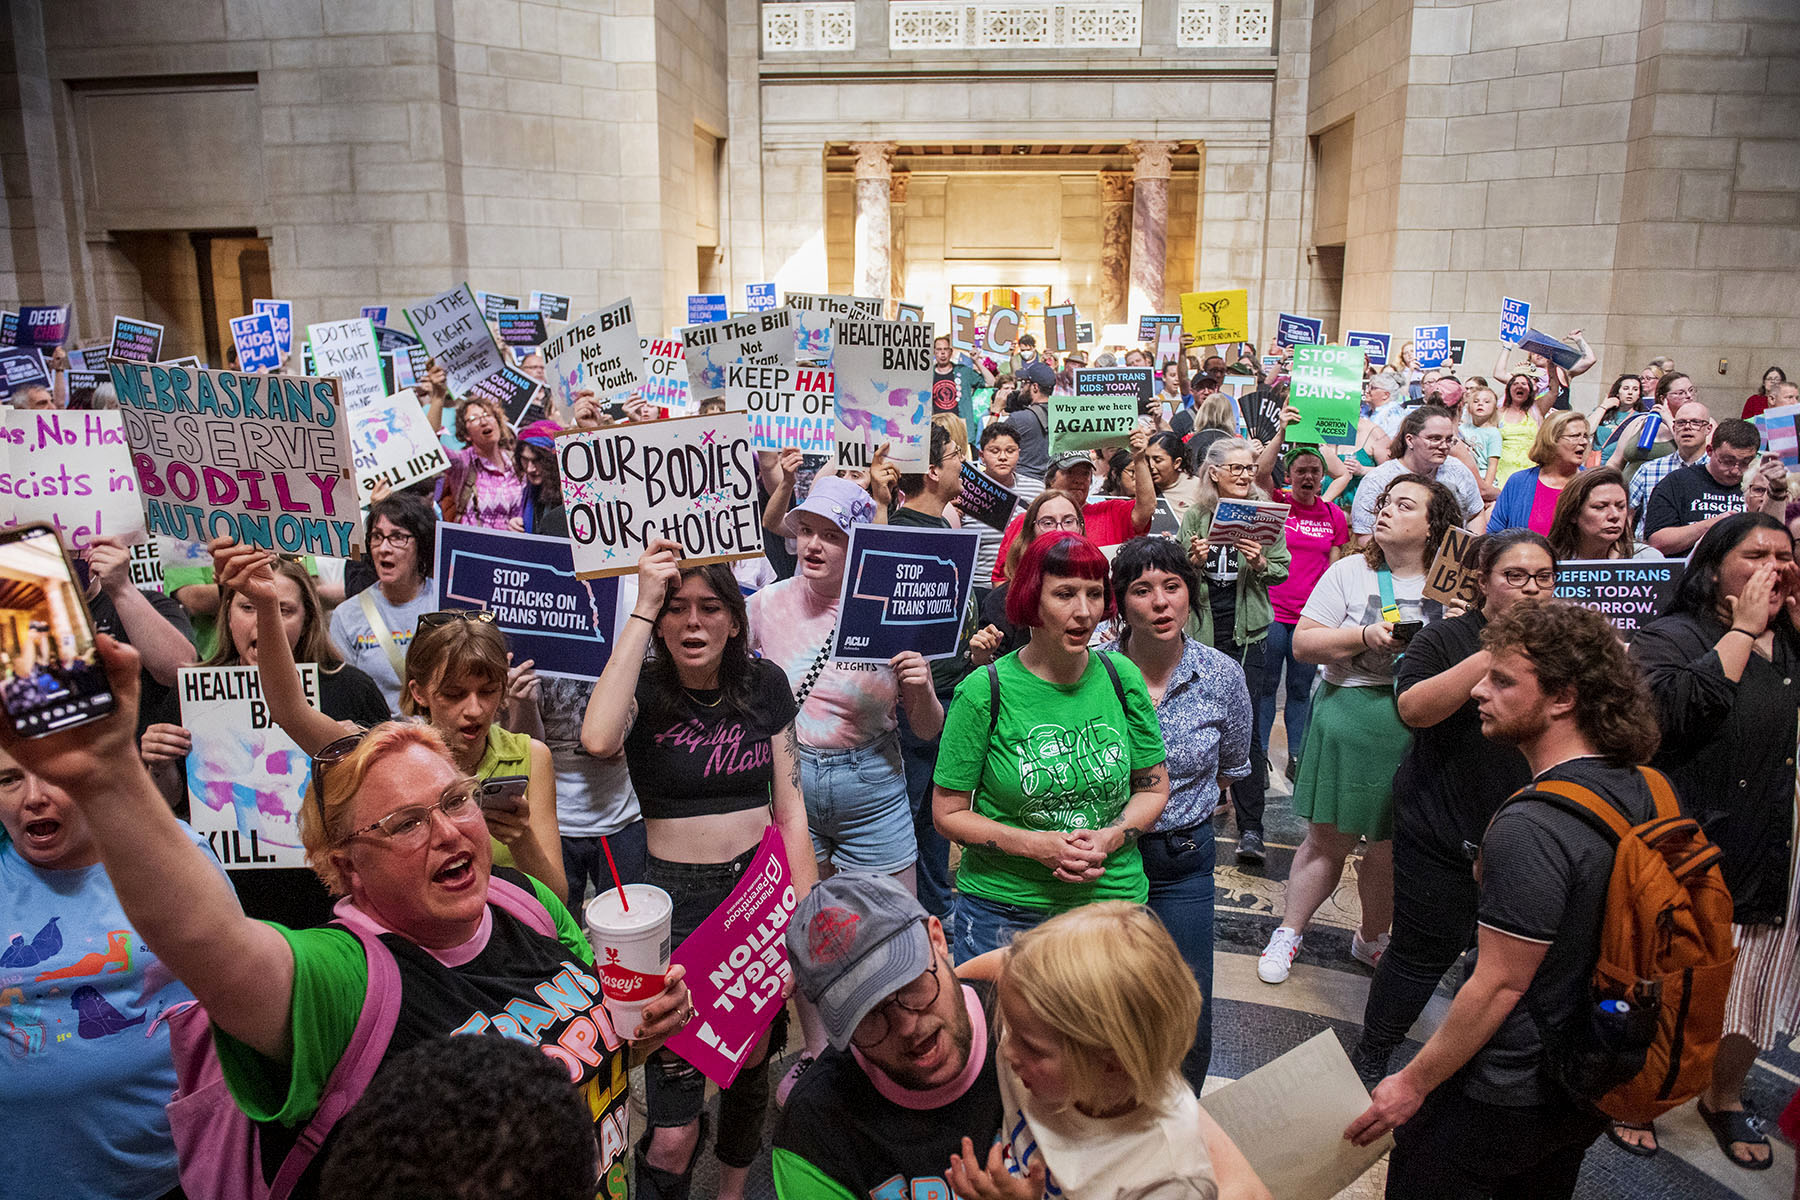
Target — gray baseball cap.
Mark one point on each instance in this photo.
(855, 940)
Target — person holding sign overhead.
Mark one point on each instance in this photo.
(708, 735)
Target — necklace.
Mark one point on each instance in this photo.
(704, 703)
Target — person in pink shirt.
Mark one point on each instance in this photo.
(1529, 498)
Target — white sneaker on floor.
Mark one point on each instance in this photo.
(1278, 956)
(1368, 953)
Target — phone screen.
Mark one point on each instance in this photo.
(50, 675)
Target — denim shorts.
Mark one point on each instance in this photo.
(856, 807)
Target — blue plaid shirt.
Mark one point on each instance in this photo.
(1645, 481)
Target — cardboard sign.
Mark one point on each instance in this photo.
(759, 297)
(789, 407)
(882, 372)
(495, 303)
(963, 332)
(1257, 520)
(704, 309)
(1431, 345)
(600, 352)
(1093, 416)
(1373, 345)
(905, 588)
(1515, 319)
(1168, 345)
(376, 313)
(72, 470)
(813, 313)
(136, 341)
(737, 966)
(22, 367)
(392, 442)
(1214, 317)
(985, 500)
(1136, 382)
(254, 339)
(1560, 353)
(346, 351)
(144, 562)
(281, 316)
(665, 375)
(517, 394)
(1002, 330)
(564, 624)
(908, 312)
(246, 779)
(1059, 328)
(765, 339)
(1150, 323)
(554, 307)
(451, 327)
(1452, 579)
(1629, 592)
(1327, 391)
(44, 326)
(523, 327)
(262, 459)
(690, 479)
(1298, 331)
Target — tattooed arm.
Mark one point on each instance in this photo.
(1065, 854)
(1149, 792)
(790, 810)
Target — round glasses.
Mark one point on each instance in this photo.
(1049, 524)
(1518, 577)
(409, 828)
(916, 997)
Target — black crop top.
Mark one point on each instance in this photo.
(709, 758)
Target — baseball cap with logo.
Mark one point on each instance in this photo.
(855, 940)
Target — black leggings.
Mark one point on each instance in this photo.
(1247, 793)
(1456, 1148)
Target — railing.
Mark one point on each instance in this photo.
(809, 25)
(936, 25)
(1209, 24)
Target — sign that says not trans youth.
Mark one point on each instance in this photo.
(599, 352)
(764, 339)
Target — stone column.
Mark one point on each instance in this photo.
(1149, 223)
(897, 243)
(1115, 245)
(874, 224)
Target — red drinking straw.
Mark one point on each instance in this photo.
(617, 882)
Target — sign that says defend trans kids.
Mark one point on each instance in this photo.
(136, 341)
(813, 314)
(246, 779)
(905, 588)
(452, 328)
(73, 470)
(1629, 592)
(984, 499)
(1327, 391)
(1102, 412)
(737, 965)
(599, 352)
(883, 377)
(262, 459)
(789, 407)
(254, 337)
(665, 375)
(765, 339)
(689, 479)
(528, 583)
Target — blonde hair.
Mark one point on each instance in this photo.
(957, 428)
(1216, 412)
(475, 648)
(1493, 418)
(1549, 432)
(1109, 981)
(343, 779)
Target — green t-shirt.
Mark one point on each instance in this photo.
(1061, 758)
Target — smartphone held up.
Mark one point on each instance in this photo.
(51, 677)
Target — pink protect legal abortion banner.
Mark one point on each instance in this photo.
(737, 966)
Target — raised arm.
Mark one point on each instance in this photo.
(1143, 508)
(1271, 453)
(790, 811)
(248, 571)
(612, 705)
(163, 648)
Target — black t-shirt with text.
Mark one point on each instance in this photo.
(707, 757)
(1688, 495)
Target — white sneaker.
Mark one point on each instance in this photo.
(1278, 956)
(1367, 952)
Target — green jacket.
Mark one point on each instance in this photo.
(1254, 612)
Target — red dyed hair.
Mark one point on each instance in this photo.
(1066, 554)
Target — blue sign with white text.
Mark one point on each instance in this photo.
(1299, 331)
(562, 624)
(254, 337)
(376, 313)
(905, 588)
(281, 316)
(1374, 345)
(1431, 345)
(759, 297)
(1515, 319)
(704, 310)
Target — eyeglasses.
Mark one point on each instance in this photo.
(398, 539)
(450, 616)
(1692, 424)
(409, 828)
(916, 997)
(1046, 524)
(1574, 437)
(1437, 441)
(1518, 577)
(1237, 468)
(330, 756)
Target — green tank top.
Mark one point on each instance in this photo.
(507, 753)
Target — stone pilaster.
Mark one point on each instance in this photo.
(874, 218)
(1115, 245)
(897, 240)
(1150, 171)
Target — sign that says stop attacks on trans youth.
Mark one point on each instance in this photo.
(262, 459)
(905, 588)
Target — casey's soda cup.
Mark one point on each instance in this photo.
(631, 950)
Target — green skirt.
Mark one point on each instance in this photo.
(1354, 745)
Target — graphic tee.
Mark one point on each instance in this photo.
(1348, 595)
(853, 703)
(705, 756)
(361, 646)
(1689, 495)
(1312, 534)
(1060, 758)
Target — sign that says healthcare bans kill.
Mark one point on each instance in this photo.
(905, 588)
(72, 470)
(813, 314)
(1214, 317)
(1327, 392)
(452, 327)
(392, 442)
(346, 351)
(689, 479)
(599, 352)
(665, 375)
(764, 339)
(1102, 412)
(563, 624)
(262, 459)
(882, 372)
(789, 407)
(246, 778)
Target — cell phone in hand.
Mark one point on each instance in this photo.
(1403, 631)
(504, 793)
(51, 678)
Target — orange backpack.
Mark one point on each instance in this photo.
(1647, 1042)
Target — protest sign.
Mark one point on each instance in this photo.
(766, 339)
(759, 297)
(254, 338)
(564, 624)
(905, 588)
(599, 352)
(136, 341)
(1267, 412)
(985, 500)
(1373, 345)
(1453, 576)
(346, 351)
(1258, 520)
(392, 442)
(1002, 330)
(1084, 333)
(1096, 415)
(281, 317)
(1136, 382)
(737, 966)
(1560, 353)
(523, 327)
(1431, 345)
(44, 326)
(22, 367)
(689, 479)
(191, 362)
(1214, 317)
(9, 328)
(515, 392)
(1515, 319)
(882, 371)
(495, 303)
(409, 365)
(1168, 345)
(262, 459)
(451, 327)
(72, 470)
(554, 307)
(789, 407)
(1298, 331)
(81, 381)
(391, 340)
(90, 358)
(145, 564)
(1779, 435)
(908, 312)
(1059, 328)
(1629, 592)
(813, 313)
(1327, 391)
(376, 313)
(665, 375)
(963, 332)
(1457, 346)
(1151, 322)
(704, 309)
(246, 779)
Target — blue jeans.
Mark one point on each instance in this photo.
(1180, 866)
(977, 925)
(1278, 653)
(584, 862)
(920, 758)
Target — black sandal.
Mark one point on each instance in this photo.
(1649, 1127)
(1739, 1126)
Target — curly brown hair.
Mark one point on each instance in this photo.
(1577, 651)
(1443, 512)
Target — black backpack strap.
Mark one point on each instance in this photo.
(1112, 673)
(993, 675)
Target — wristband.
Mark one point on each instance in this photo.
(1745, 632)
(1363, 633)
(637, 616)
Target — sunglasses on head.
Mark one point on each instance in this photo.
(450, 616)
(329, 756)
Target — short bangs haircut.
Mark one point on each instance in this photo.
(471, 649)
(1067, 555)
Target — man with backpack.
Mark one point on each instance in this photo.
(1555, 1024)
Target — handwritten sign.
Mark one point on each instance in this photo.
(599, 352)
(665, 375)
(905, 588)
(984, 499)
(1452, 579)
(1096, 415)
(262, 459)
(1257, 520)
(254, 339)
(136, 341)
(1291, 330)
(528, 583)
(1431, 345)
(813, 314)
(882, 372)
(44, 326)
(346, 351)
(1373, 345)
(689, 479)
(72, 470)
(1515, 319)
(281, 317)
(1327, 391)
(789, 407)
(964, 333)
(1217, 316)
(451, 326)
(1629, 592)
(765, 339)
(246, 779)
(522, 327)
(1059, 328)
(555, 307)
(391, 442)
(1136, 382)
